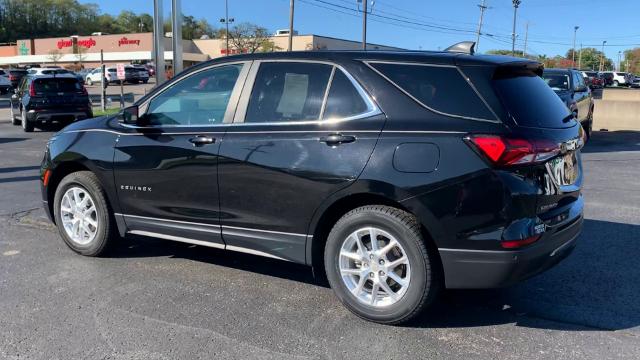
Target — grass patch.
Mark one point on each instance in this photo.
(110, 111)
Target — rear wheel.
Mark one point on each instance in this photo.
(89, 81)
(378, 265)
(82, 214)
(616, 83)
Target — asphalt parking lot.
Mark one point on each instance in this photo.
(153, 299)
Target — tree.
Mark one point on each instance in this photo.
(249, 38)
(589, 58)
(54, 56)
(632, 58)
(81, 55)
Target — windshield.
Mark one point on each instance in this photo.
(530, 101)
(557, 82)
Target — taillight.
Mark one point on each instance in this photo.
(504, 151)
(83, 90)
(32, 89)
(13, 78)
(515, 244)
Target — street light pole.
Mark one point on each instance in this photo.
(176, 37)
(364, 24)
(158, 42)
(291, 7)
(516, 3)
(226, 21)
(573, 55)
(619, 64)
(602, 56)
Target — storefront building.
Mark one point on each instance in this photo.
(84, 51)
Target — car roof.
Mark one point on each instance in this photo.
(53, 76)
(435, 57)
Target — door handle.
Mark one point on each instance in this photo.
(337, 139)
(200, 140)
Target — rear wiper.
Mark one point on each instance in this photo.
(567, 118)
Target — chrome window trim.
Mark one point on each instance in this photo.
(239, 120)
(468, 81)
(231, 106)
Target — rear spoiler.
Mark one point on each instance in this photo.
(518, 68)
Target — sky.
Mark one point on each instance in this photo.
(433, 24)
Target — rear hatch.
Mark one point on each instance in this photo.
(541, 124)
(58, 93)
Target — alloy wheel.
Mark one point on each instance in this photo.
(374, 267)
(79, 215)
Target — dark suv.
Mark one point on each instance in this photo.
(572, 89)
(395, 173)
(46, 98)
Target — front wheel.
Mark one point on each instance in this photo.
(616, 83)
(379, 266)
(82, 214)
(89, 82)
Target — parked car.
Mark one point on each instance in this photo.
(94, 76)
(594, 79)
(607, 78)
(5, 84)
(570, 87)
(133, 75)
(82, 74)
(47, 98)
(396, 173)
(51, 70)
(636, 82)
(618, 78)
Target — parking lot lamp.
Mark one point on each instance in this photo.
(573, 55)
(516, 3)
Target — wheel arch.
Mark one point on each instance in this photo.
(325, 219)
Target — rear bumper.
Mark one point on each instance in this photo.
(481, 269)
(52, 115)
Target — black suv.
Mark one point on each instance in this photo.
(395, 173)
(46, 98)
(570, 86)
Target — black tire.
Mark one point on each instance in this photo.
(145, 81)
(89, 82)
(425, 282)
(27, 126)
(14, 121)
(106, 233)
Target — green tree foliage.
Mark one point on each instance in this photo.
(590, 59)
(28, 19)
(631, 62)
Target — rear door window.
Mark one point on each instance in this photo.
(530, 101)
(343, 100)
(288, 92)
(57, 85)
(442, 89)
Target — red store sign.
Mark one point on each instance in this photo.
(125, 41)
(87, 43)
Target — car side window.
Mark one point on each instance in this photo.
(343, 99)
(200, 99)
(288, 91)
(439, 88)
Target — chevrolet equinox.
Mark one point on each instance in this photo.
(398, 174)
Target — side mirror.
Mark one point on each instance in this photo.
(15, 91)
(130, 115)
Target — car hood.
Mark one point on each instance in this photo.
(99, 122)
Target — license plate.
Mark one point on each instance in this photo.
(564, 169)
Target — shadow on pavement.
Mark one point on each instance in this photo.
(17, 168)
(610, 141)
(10, 140)
(595, 288)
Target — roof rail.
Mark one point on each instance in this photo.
(465, 47)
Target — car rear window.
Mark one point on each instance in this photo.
(439, 88)
(58, 85)
(530, 101)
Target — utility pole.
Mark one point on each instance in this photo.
(290, 25)
(526, 37)
(176, 36)
(226, 21)
(602, 56)
(103, 82)
(364, 24)
(516, 3)
(580, 58)
(482, 7)
(158, 42)
(573, 53)
(619, 57)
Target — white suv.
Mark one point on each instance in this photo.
(619, 78)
